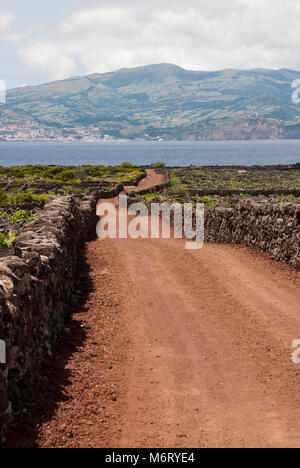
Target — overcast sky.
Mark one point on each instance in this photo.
(46, 40)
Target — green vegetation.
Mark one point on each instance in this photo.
(70, 190)
(149, 196)
(127, 165)
(7, 242)
(28, 187)
(19, 216)
(208, 185)
(158, 165)
(188, 183)
(27, 197)
(178, 190)
(24, 197)
(65, 176)
(285, 198)
(209, 201)
(175, 180)
(126, 172)
(208, 178)
(3, 197)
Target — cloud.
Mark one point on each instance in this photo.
(196, 34)
(6, 20)
(47, 57)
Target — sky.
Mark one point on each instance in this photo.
(45, 41)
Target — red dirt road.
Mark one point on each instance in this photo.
(148, 182)
(182, 349)
(211, 360)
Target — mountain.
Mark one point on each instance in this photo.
(156, 101)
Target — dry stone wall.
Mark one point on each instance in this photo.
(273, 228)
(36, 287)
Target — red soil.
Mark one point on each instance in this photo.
(150, 181)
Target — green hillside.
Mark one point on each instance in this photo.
(159, 101)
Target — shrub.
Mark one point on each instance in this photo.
(36, 170)
(51, 172)
(28, 197)
(175, 181)
(98, 171)
(19, 215)
(7, 242)
(158, 165)
(22, 197)
(16, 173)
(127, 165)
(65, 176)
(3, 197)
(149, 196)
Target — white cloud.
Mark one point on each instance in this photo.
(6, 20)
(49, 58)
(197, 34)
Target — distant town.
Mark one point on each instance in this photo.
(33, 131)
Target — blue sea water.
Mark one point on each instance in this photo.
(246, 153)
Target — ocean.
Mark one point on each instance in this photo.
(202, 153)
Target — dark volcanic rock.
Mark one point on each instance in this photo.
(271, 227)
(36, 287)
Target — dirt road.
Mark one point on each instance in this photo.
(150, 181)
(181, 349)
(211, 359)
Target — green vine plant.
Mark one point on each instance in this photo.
(7, 242)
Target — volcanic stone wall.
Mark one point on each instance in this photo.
(36, 287)
(271, 227)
